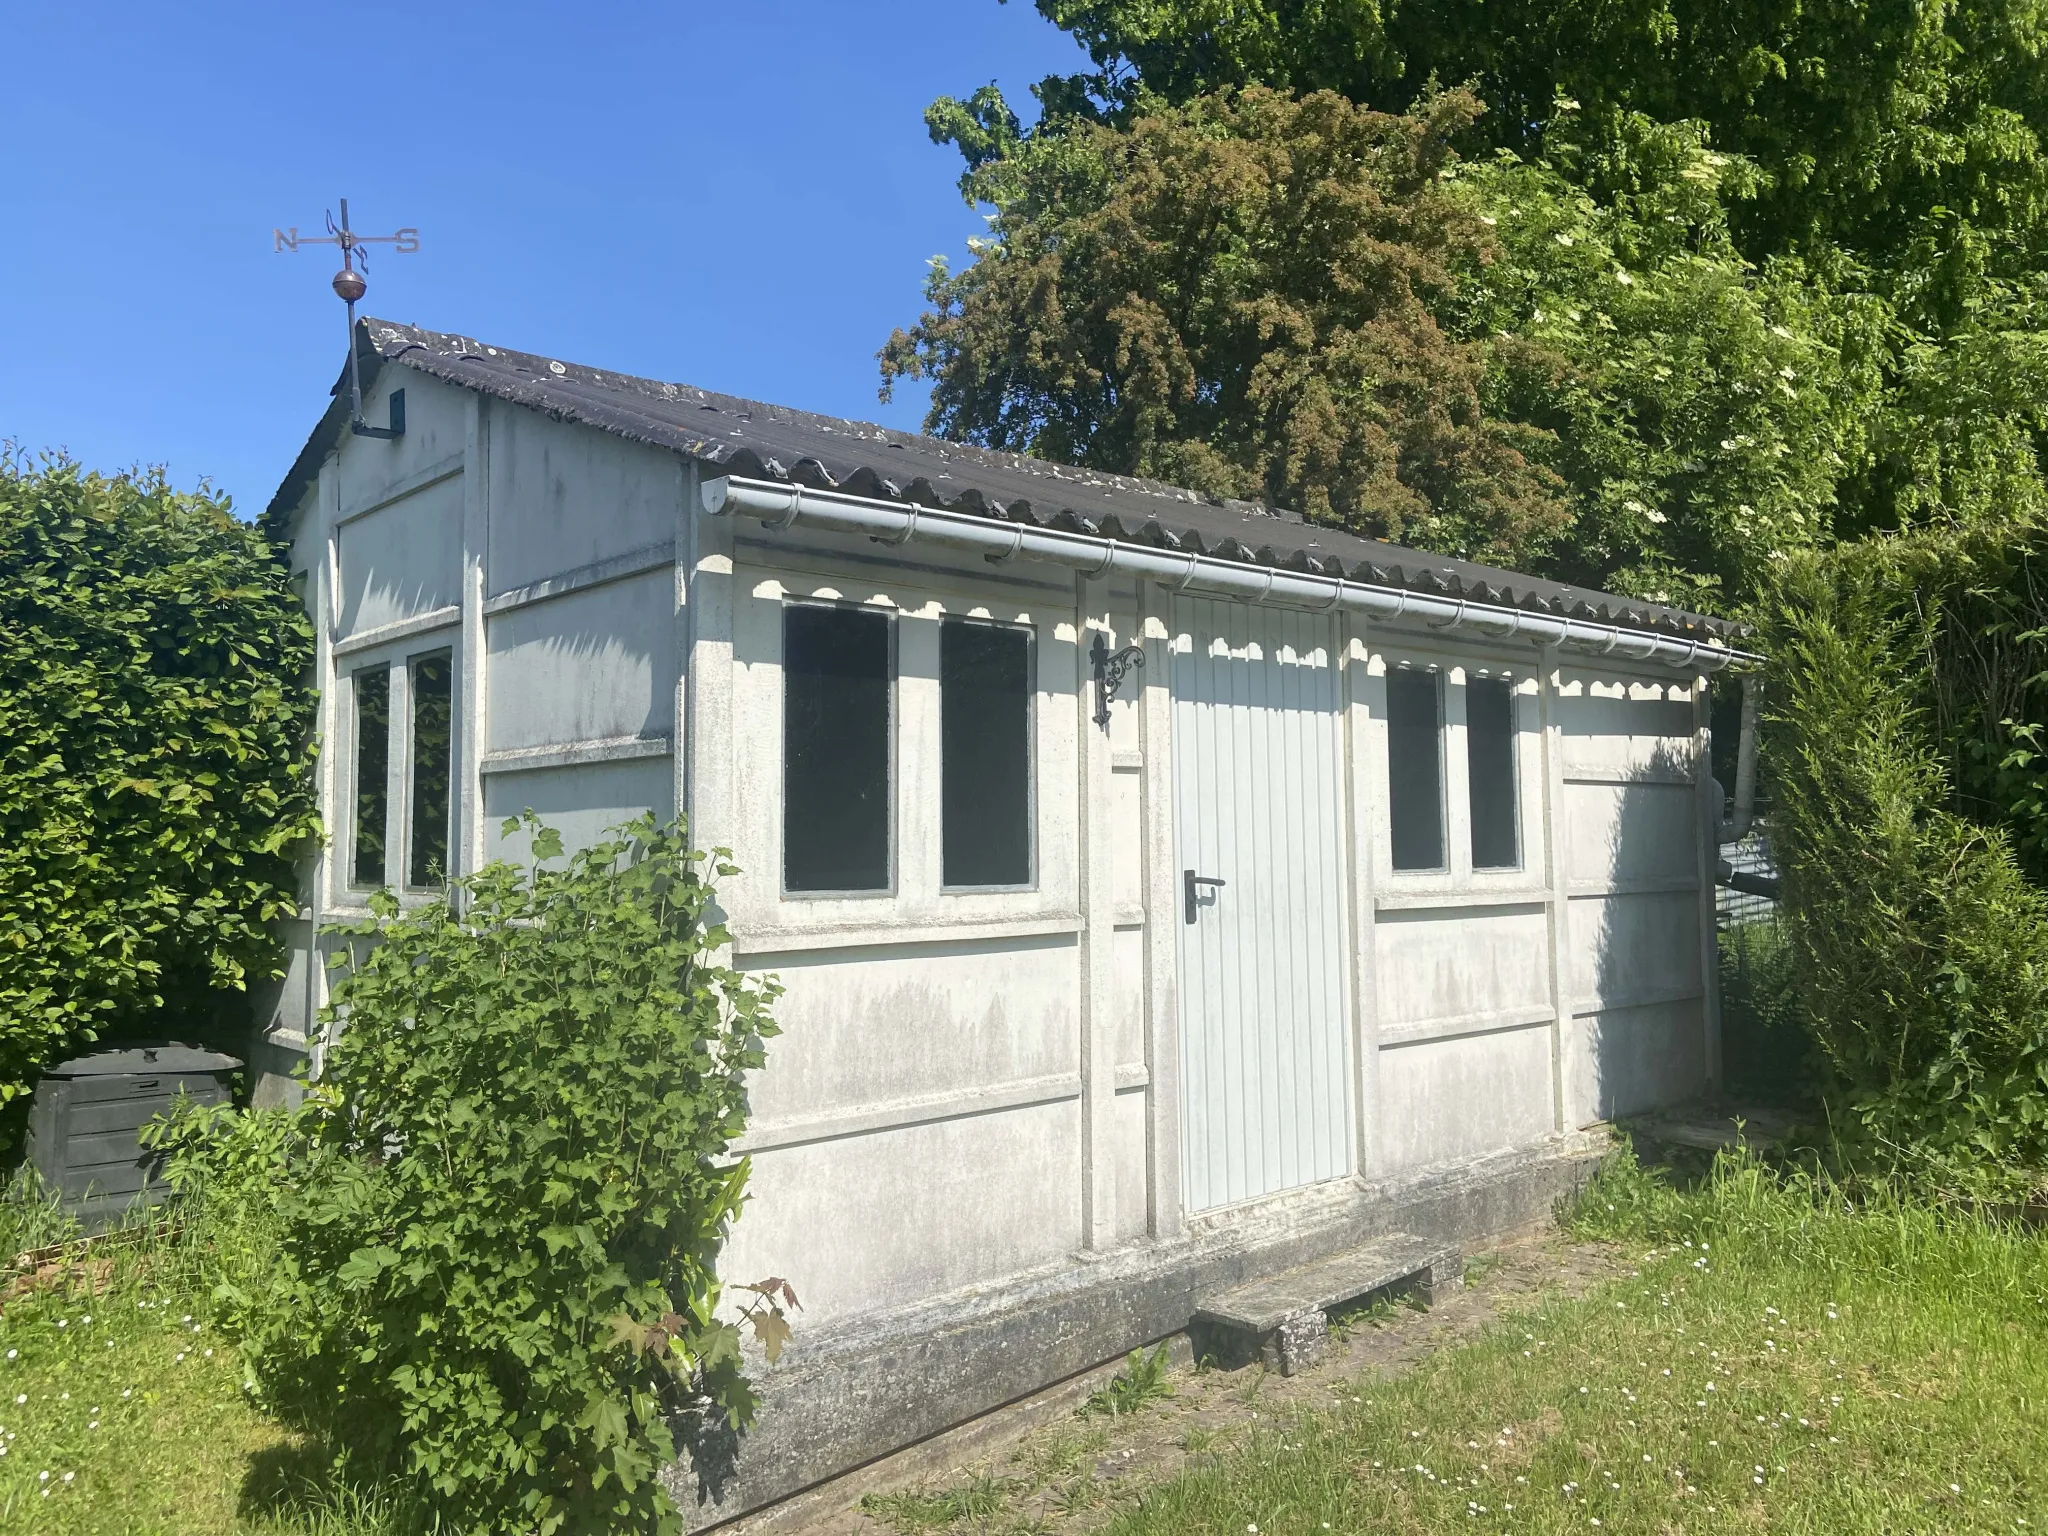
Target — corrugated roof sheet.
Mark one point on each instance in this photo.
(772, 442)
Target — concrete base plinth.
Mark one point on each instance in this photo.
(867, 1387)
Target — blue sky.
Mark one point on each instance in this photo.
(736, 196)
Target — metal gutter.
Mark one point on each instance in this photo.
(781, 506)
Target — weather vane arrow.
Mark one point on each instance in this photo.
(350, 285)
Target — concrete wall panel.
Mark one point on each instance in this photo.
(1620, 834)
(1458, 962)
(579, 801)
(436, 433)
(586, 666)
(1625, 727)
(1634, 949)
(403, 559)
(1133, 1177)
(869, 1222)
(1445, 1099)
(565, 497)
(1633, 1059)
(1129, 998)
(875, 1026)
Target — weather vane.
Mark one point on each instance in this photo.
(349, 285)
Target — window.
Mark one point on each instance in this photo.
(372, 690)
(835, 748)
(1490, 758)
(1415, 799)
(433, 716)
(985, 753)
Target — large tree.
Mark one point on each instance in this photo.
(1865, 182)
(1906, 131)
(1311, 304)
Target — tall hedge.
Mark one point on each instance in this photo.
(156, 716)
(1904, 779)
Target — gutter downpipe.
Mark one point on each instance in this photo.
(780, 506)
(1736, 827)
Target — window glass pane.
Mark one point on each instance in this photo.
(985, 753)
(835, 749)
(1415, 798)
(373, 752)
(1490, 758)
(433, 715)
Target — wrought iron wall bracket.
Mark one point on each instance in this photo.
(1111, 668)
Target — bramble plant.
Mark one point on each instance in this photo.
(155, 756)
(499, 1209)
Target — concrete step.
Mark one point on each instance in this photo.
(1284, 1319)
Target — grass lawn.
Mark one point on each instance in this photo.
(1768, 1362)
(122, 1412)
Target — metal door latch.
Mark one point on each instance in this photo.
(1190, 883)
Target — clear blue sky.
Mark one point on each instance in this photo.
(739, 196)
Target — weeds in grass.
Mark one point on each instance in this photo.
(1378, 1311)
(930, 1509)
(1480, 1266)
(1142, 1380)
(1061, 1453)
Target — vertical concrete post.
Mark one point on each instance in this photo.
(321, 540)
(1162, 918)
(1556, 881)
(1362, 813)
(472, 840)
(1098, 927)
(686, 543)
(1708, 817)
(708, 680)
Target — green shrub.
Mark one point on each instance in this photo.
(498, 1211)
(155, 746)
(1921, 947)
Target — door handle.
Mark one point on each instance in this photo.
(1190, 886)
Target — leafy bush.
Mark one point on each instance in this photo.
(155, 746)
(498, 1212)
(1922, 948)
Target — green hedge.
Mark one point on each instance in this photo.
(155, 752)
(1902, 798)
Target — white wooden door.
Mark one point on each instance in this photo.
(1265, 1041)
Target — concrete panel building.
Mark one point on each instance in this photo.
(1168, 892)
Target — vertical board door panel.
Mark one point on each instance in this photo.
(1265, 1039)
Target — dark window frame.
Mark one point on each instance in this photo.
(891, 681)
(353, 879)
(1030, 634)
(1473, 683)
(413, 883)
(1435, 676)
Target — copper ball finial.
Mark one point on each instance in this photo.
(349, 284)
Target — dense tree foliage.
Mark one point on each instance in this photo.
(1308, 303)
(155, 750)
(1795, 264)
(1906, 131)
(1238, 295)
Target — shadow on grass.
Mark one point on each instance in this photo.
(296, 1489)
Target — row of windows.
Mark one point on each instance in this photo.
(1415, 777)
(836, 732)
(838, 665)
(428, 747)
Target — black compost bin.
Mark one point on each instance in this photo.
(83, 1125)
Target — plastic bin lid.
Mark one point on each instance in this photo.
(167, 1057)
